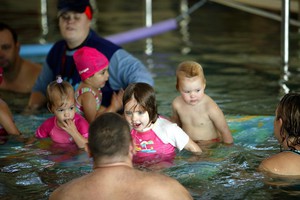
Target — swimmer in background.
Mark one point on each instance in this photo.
(92, 66)
(287, 132)
(155, 137)
(194, 111)
(19, 75)
(66, 126)
(75, 21)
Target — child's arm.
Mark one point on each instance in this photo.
(219, 120)
(6, 120)
(89, 106)
(193, 147)
(175, 117)
(70, 127)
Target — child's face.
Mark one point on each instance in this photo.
(191, 89)
(136, 116)
(64, 112)
(99, 79)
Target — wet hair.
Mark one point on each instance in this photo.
(144, 94)
(4, 26)
(288, 109)
(109, 135)
(58, 90)
(189, 69)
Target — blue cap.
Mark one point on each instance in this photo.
(73, 5)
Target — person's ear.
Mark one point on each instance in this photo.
(280, 122)
(49, 108)
(18, 46)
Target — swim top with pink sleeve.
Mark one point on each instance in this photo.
(161, 139)
(49, 128)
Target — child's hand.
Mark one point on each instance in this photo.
(69, 126)
(116, 100)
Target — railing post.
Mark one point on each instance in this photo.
(285, 14)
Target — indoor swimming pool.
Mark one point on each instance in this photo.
(240, 55)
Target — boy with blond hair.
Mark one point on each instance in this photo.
(194, 111)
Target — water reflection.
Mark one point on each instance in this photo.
(285, 78)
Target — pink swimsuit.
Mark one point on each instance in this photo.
(50, 129)
(79, 107)
(159, 142)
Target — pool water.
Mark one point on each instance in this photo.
(240, 54)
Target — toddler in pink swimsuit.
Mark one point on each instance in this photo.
(92, 67)
(155, 138)
(66, 126)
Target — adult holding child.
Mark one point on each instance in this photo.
(75, 27)
(113, 176)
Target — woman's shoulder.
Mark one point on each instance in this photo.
(283, 163)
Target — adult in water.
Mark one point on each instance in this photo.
(287, 132)
(113, 176)
(19, 74)
(75, 18)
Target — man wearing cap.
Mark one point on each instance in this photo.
(75, 26)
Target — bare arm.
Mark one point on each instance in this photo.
(193, 147)
(6, 119)
(219, 120)
(175, 117)
(36, 101)
(88, 102)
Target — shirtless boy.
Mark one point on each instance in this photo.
(194, 111)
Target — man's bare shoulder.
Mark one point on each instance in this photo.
(29, 65)
(161, 186)
(125, 184)
(70, 190)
